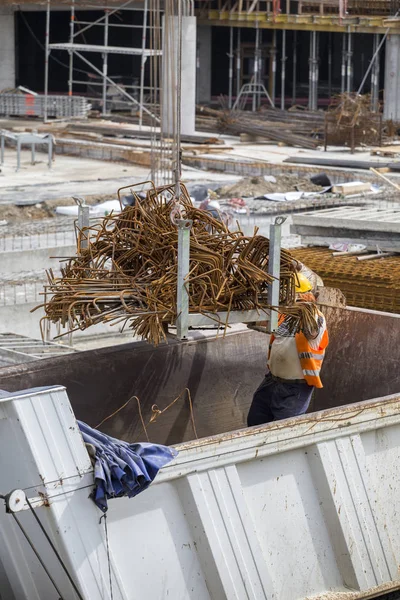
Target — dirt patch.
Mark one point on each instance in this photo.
(14, 214)
(258, 186)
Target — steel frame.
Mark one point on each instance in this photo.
(75, 49)
(185, 319)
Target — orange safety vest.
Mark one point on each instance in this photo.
(310, 358)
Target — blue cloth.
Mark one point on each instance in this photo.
(123, 469)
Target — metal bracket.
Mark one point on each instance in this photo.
(182, 301)
(274, 264)
(185, 320)
(83, 221)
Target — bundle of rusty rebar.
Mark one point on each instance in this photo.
(284, 127)
(350, 121)
(128, 273)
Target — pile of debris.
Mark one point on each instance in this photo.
(279, 126)
(129, 271)
(253, 187)
(350, 122)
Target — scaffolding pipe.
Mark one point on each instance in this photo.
(375, 56)
(349, 85)
(316, 71)
(375, 76)
(255, 70)
(283, 69)
(143, 63)
(105, 64)
(71, 54)
(110, 13)
(294, 80)
(230, 67)
(330, 65)
(238, 65)
(310, 68)
(46, 62)
(313, 72)
(273, 78)
(118, 87)
(344, 58)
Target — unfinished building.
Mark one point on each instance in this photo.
(288, 53)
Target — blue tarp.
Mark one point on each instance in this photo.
(123, 469)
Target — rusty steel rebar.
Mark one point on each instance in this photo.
(128, 274)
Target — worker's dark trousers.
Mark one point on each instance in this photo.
(276, 399)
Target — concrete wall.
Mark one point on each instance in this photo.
(33, 260)
(392, 78)
(204, 50)
(7, 48)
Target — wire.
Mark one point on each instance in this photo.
(44, 49)
(37, 554)
(60, 560)
(108, 554)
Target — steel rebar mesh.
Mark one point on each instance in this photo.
(367, 284)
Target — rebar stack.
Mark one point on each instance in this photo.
(128, 273)
(350, 121)
(367, 284)
(290, 128)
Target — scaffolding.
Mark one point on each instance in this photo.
(79, 50)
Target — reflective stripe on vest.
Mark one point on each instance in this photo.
(312, 355)
(311, 373)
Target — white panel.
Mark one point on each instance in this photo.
(153, 547)
(290, 526)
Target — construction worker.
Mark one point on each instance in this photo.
(294, 365)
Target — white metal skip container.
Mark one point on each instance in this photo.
(298, 509)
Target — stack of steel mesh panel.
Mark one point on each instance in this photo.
(28, 105)
(372, 284)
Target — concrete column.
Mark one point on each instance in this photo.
(7, 49)
(392, 78)
(204, 42)
(169, 81)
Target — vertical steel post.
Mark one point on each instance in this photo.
(255, 70)
(105, 63)
(143, 63)
(316, 69)
(2, 139)
(273, 82)
(238, 59)
(182, 299)
(283, 69)
(344, 60)
(83, 221)
(349, 84)
(71, 54)
(330, 65)
(230, 67)
(375, 74)
(274, 266)
(46, 62)
(377, 71)
(294, 80)
(310, 73)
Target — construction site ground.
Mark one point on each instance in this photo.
(31, 232)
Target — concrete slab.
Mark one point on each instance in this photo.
(77, 176)
(370, 226)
